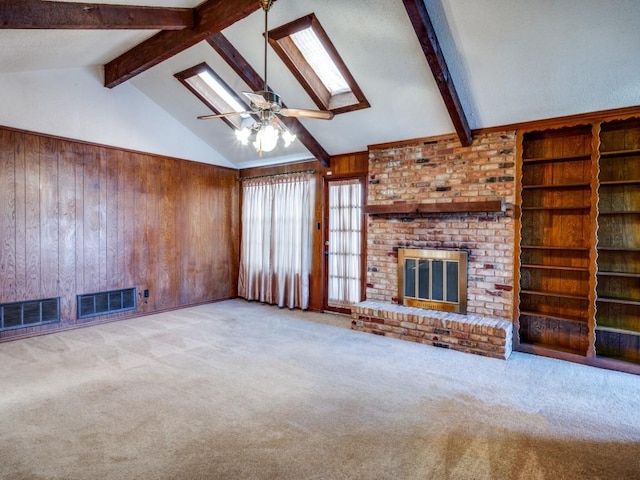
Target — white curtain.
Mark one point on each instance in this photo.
(345, 243)
(275, 256)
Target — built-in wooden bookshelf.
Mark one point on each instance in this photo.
(579, 249)
(555, 231)
(618, 286)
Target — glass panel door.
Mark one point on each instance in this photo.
(344, 243)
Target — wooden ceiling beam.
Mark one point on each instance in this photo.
(37, 14)
(239, 64)
(435, 58)
(211, 16)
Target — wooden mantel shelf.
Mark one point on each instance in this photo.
(451, 207)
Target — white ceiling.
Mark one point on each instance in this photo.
(511, 61)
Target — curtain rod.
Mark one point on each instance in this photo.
(242, 179)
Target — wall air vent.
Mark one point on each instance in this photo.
(29, 314)
(103, 303)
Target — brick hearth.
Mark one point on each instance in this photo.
(477, 334)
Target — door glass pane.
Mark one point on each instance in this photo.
(345, 240)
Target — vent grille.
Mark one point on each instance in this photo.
(102, 303)
(29, 314)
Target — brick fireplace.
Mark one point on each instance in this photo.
(440, 195)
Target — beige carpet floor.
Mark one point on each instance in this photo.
(238, 390)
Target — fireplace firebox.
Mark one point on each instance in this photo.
(433, 279)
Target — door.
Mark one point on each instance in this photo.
(344, 243)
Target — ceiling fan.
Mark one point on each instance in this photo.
(267, 105)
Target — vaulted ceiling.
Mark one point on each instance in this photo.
(498, 62)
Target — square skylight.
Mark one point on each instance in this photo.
(203, 82)
(306, 49)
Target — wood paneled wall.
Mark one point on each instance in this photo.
(77, 218)
(348, 165)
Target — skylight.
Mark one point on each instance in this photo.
(307, 51)
(202, 81)
(222, 91)
(314, 52)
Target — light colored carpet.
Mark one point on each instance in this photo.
(238, 390)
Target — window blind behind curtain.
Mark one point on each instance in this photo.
(275, 255)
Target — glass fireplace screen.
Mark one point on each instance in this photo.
(433, 279)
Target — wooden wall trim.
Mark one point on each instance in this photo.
(544, 124)
(110, 147)
(567, 120)
(413, 141)
(341, 155)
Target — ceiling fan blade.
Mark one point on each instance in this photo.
(257, 99)
(304, 113)
(222, 115)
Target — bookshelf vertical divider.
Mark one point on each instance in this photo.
(593, 251)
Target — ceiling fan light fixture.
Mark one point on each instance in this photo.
(243, 135)
(288, 138)
(266, 138)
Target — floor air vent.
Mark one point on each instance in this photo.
(29, 314)
(103, 303)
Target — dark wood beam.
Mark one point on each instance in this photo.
(239, 64)
(211, 16)
(435, 58)
(37, 14)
